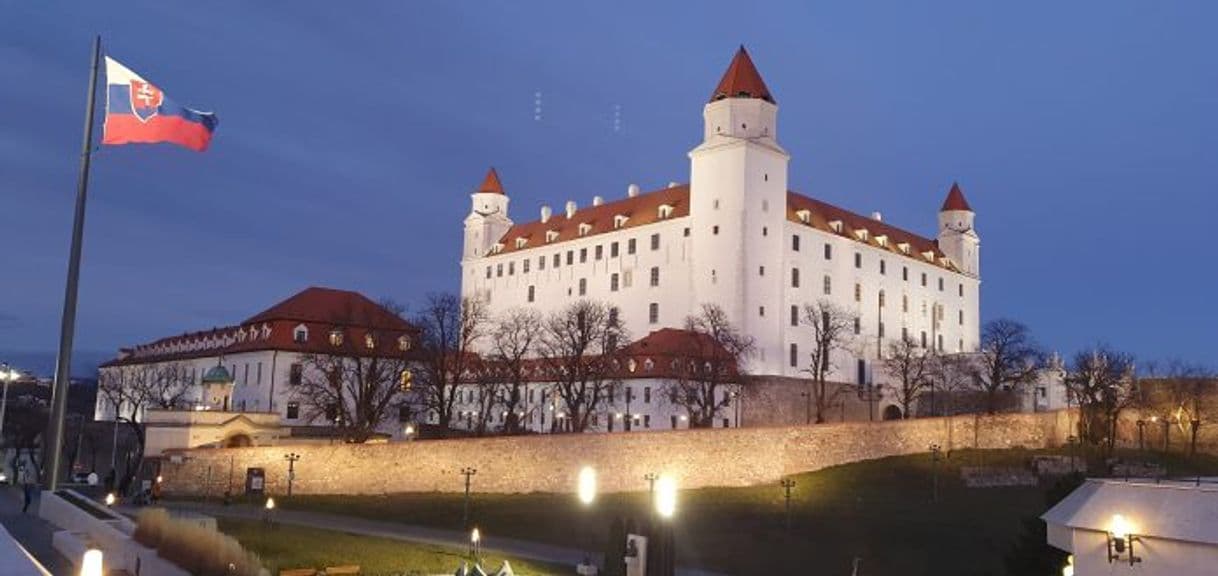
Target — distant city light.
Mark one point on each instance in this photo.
(587, 485)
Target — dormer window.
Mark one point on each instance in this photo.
(497, 248)
(336, 337)
(300, 334)
(585, 228)
(882, 240)
(903, 247)
(521, 243)
(403, 343)
(804, 216)
(945, 261)
(862, 234)
(551, 235)
(648, 365)
(620, 221)
(369, 341)
(836, 226)
(929, 255)
(665, 211)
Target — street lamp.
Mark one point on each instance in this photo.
(291, 457)
(268, 510)
(666, 497)
(7, 375)
(111, 499)
(587, 494)
(91, 564)
(787, 484)
(1141, 434)
(468, 472)
(1121, 540)
(475, 546)
(934, 471)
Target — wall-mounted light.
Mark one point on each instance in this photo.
(1121, 540)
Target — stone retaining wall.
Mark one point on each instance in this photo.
(550, 463)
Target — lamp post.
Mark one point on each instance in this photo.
(666, 509)
(291, 457)
(268, 510)
(736, 405)
(1141, 435)
(8, 375)
(1121, 540)
(468, 472)
(1166, 433)
(91, 564)
(475, 546)
(787, 484)
(586, 490)
(934, 472)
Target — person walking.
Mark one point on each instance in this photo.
(27, 487)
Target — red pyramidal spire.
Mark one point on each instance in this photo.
(491, 184)
(742, 80)
(955, 200)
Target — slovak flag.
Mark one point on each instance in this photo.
(137, 111)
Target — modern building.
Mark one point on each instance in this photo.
(1113, 527)
(736, 235)
(256, 367)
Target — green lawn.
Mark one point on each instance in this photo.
(287, 546)
(878, 511)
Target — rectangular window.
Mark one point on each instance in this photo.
(499, 270)
(960, 317)
(715, 230)
(858, 260)
(488, 272)
(613, 250)
(296, 374)
(883, 267)
(583, 286)
(923, 279)
(630, 246)
(761, 270)
(655, 241)
(524, 266)
(795, 277)
(557, 260)
(862, 375)
(583, 255)
(905, 273)
(647, 420)
(655, 276)
(673, 419)
(828, 252)
(923, 338)
(293, 410)
(511, 268)
(795, 242)
(794, 315)
(570, 257)
(647, 395)
(686, 232)
(960, 289)
(940, 283)
(881, 329)
(904, 333)
(653, 313)
(828, 285)
(541, 262)
(858, 325)
(794, 353)
(531, 293)
(858, 292)
(260, 373)
(613, 282)
(599, 252)
(761, 311)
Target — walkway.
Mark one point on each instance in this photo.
(508, 546)
(32, 532)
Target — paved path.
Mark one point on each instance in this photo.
(406, 532)
(32, 532)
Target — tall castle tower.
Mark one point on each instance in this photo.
(488, 217)
(957, 237)
(738, 202)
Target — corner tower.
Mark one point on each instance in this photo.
(488, 217)
(738, 203)
(957, 237)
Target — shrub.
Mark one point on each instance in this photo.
(198, 550)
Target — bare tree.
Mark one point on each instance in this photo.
(578, 345)
(1187, 392)
(951, 376)
(449, 328)
(911, 367)
(707, 364)
(134, 389)
(1009, 359)
(355, 391)
(1104, 382)
(515, 337)
(832, 330)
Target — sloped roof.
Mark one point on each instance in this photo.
(491, 184)
(1175, 511)
(955, 200)
(821, 214)
(741, 80)
(331, 306)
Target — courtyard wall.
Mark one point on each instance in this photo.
(550, 463)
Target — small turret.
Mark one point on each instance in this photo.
(957, 238)
(488, 218)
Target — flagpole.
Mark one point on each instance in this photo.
(63, 366)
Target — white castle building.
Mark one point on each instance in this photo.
(737, 236)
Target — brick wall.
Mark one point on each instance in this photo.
(698, 458)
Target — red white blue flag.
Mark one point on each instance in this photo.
(138, 111)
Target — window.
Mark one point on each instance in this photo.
(524, 266)
(653, 313)
(960, 289)
(583, 255)
(293, 410)
(924, 279)
(761, 311)
(795, 277)
(613, 282)
(532, 293)
(488, 272)
(904, 334)
(685, 232)
(761, 270)
(940, 342)
(883, 267)
(403, 343)
(858, 325)
(613, 250)
(726, 423)
(673, 418)
(369, 341)
(828, 285)
(794, 315)
(570, 257)
(499, 270)
(583, 286)
(905, 273)
(647, 395)
(511, 268)
(336, 337)
(765, 230)
(881, 330)
(905, 303)
(630, 246)
(923, 338)
(828, 252)
(858, 292)
(715, 229)
(655, 275)
(647, 420)
(881, 298)
(940, 283)
(862, 369)
(296, 374)
(655, 241)
(557, 260)
(794, 353)
(960, 317)
(858, 260)
(541, 262)
(300, 334)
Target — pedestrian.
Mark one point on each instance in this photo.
(27, 489)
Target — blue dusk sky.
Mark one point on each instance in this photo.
(1085, 135)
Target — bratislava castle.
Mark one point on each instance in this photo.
(737, 236)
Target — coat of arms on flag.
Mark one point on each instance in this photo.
(138, 111)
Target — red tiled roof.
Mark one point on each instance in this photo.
(330, 306)
(320, 310)
(491, 183)
(742, 80)
(821, 214)
(955, 200)
(640, 210)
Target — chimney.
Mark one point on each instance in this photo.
(877, 216)
(632, 190)
(545, 214)
(597, 200)
(570, 208)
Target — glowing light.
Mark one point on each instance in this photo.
(475, 536)
(666, 496)
(587, 485)
(91, 565)
(159, 478)
(270, 503)
(111, 499)
(1068, 569)
(1120, 527)
(409, 429)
